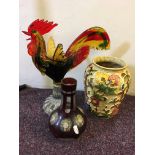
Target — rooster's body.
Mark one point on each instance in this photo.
(59, 63)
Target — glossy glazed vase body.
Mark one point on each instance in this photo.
(106, 83)
(68, 121)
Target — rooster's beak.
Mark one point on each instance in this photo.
(27, 33)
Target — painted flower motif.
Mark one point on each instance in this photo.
(95, 101)
(66, 125)
(101, 77)
(115, 111)
(79, 121)
(114, 79)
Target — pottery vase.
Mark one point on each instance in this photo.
(106, 85)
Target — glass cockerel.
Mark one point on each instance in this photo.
(55, 63)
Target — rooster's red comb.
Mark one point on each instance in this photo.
(41, 26)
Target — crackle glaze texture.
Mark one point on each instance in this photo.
(105, 87)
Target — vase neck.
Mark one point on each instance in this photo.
(68, 102)
(68, 91)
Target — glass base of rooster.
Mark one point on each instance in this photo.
(54, 100)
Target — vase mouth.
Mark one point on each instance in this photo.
(119, 62)
(68, 84)
(69, 81)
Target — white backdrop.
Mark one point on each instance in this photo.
(73, 17)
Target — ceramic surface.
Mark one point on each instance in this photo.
(105, 87)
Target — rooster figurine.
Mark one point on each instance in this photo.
(55, 63)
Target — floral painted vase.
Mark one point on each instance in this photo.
(106, 83)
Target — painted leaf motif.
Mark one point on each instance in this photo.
(105, 89)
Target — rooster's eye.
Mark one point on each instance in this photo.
(34, 31)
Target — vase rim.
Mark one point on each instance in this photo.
(69, 81)
(111, 59)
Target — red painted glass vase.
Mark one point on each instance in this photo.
(68, 121)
